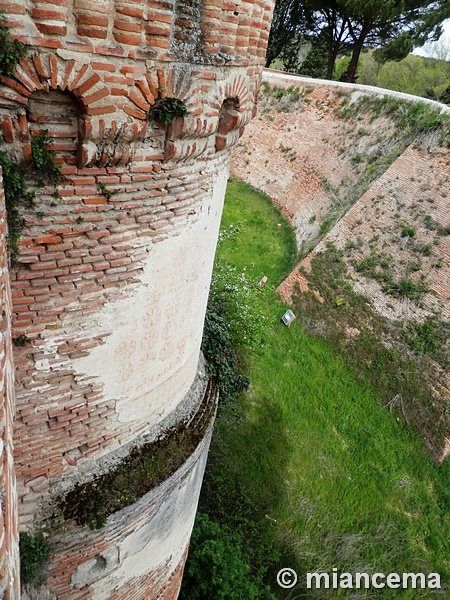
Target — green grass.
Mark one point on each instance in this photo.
(262, 248)
(308, 457)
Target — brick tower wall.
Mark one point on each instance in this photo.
(9, 551)
(111, 283)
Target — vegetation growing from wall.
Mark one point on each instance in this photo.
(165, 110)
(371, 132)
(283, 99)
(15, 189)
(11, 51)
(34, 550)
(43, 157)
(43, 169)
(410, 122)
(311, 459)
(145, 467)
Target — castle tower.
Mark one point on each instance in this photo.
(110, 285)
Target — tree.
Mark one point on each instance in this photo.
(315, 63)
(333, 25)
(295, 22)
(394, 22)
(395, 26)
(291, 20)
(429, 25)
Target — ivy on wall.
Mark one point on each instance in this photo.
(43, 168)
(15, 188)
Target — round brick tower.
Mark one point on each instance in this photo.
(110, 286)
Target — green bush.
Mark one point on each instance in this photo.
(218, 350)
(33, 553)
(166, 109)
(218, 567)
(408, 231)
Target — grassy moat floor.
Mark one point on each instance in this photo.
(308, 459)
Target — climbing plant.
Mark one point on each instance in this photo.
(43, 168)
(15, 188)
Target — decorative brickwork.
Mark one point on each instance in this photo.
(112, 279)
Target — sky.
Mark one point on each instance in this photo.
(424, 50)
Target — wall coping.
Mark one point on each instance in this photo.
(272, 74)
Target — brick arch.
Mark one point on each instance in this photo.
(58, 113)
(189, 137)
(45, 72)
(236, 110)
(51, 94)
(228, 120)
(105, 138)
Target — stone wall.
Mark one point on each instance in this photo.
(111, 283)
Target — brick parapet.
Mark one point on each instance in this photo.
(9, 551)
(210, 32)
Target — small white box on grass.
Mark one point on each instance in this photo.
(288, 317)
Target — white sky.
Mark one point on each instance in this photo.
(423, 51)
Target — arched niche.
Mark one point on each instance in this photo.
(228, 120)
(58, 112)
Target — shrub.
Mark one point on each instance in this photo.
(33, 553)
(217, 567)
(408, 231)
(218, 350)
